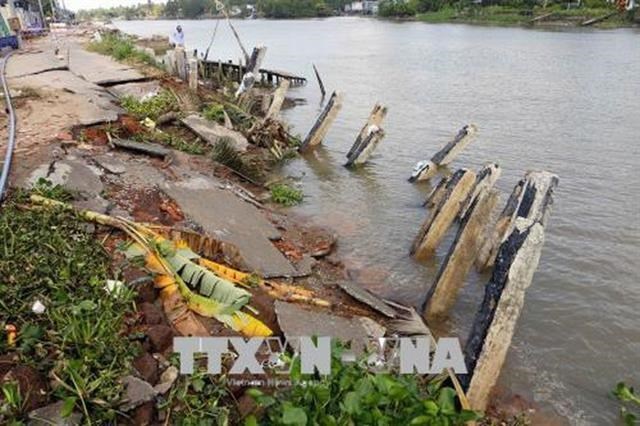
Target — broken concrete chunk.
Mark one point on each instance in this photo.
(368, 298)
(144, 148)
(52, 415)
(212, 132)
(100, 69)
(71, 174)
(137, 393)
(110, 164)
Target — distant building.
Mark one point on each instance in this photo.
(365, 7)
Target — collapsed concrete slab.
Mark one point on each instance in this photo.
(93, 105)
(138, 90)
(232, 220)
(70, 173)
(29, 63)
(213, 132)
(100, 69)
(368, 298)
(295, 321)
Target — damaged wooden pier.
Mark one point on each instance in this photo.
(231, 70)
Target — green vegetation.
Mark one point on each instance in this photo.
(630, 409)
(79, 341)
(500, 12)
(214, 112)
(352, 395)
(152, 107)
(198, 399)
(225, 153)
(121, 48)
(191, 9)
(286, 195)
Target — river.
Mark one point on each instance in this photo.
(563, 101)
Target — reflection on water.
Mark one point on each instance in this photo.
(567, 102)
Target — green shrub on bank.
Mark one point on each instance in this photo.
(352, 395)
(286, 195)
(152, 107)
(121, 48)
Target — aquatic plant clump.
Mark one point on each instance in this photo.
(152, 107)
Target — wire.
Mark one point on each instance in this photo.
(4, 177)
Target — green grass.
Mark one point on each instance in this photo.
(121, 48)
(49, 256)
(153, 107)
(286, 195)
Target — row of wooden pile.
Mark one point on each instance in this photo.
(511, 246)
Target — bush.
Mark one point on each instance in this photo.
(352, 395)
(396, 8)
(286, 195)
(152, 107)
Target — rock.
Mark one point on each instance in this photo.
(152, 314)
(160, 337)
(95, 204)
(147, 367)
(305, 266)
(212, 132)
(50, 415)
(167, 379)
(144, 414)
(110, 164)
(137, 393)
(33, 387)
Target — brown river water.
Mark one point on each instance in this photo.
(564, 101)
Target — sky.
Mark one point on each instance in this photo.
(76, 5)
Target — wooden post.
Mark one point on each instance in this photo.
(369, 137)
(323, 122)
(435, 196)
(436, 225)
(193, 74)
(278, 99)
(320, 83)
(494, 325)
(443, 293)
(525, 201)
(485, 179)
(424, 170)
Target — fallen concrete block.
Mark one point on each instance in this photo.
(212, 132)
(368, 138)
(323, 123)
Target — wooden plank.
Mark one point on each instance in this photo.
(425, 170)
(590, 22)
(436, 225)
(485, 179)
(323, 122)
(278, 100)
(525, 201)
(542, 17)
(451, 276)
(495, 322)
(446, 155)
(369, 137)
(320, 83)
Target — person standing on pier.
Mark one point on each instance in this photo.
(177, 39)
